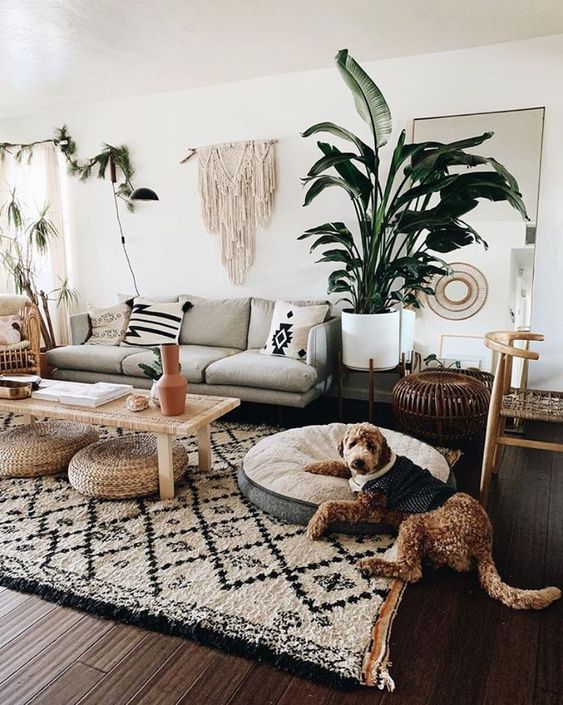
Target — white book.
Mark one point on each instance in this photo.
(81, 394)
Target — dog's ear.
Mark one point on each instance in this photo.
(384, 450)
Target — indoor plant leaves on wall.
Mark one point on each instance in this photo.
(407, 217)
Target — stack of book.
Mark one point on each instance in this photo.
(80, 394)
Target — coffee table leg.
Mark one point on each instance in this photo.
(204, 448)
(165, 465)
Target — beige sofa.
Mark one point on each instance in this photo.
(220, 341)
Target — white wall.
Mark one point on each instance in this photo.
(170, 250)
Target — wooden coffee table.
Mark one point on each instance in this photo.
(200, 412)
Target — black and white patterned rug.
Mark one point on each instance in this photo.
(207, 566)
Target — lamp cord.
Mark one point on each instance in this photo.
(123, 240)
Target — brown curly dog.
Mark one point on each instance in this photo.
(435, 523)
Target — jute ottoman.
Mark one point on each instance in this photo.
(42, 448)
(273, 477)
(122, 467)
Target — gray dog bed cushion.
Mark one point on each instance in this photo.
(273, 474)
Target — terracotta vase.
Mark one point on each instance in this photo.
(172, 386)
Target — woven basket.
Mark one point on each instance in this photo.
(441, 406)
(122, 467)
(42, 448)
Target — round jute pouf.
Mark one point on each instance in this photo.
(42, 448)
(122, 467)
(444, 407)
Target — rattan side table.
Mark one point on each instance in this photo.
(443, 407)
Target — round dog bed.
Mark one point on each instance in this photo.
(273, 477)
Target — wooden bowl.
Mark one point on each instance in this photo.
(14, 390)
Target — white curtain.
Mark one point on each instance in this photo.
(36, 183)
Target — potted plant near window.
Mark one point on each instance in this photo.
(407, 217)
(25, 240)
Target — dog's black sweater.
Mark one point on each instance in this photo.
(410, 488)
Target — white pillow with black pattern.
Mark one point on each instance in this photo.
(108, 325)
(289, 330)
(152, 323)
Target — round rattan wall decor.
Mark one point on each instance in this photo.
(459, 295)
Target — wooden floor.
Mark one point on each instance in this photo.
(451, 644)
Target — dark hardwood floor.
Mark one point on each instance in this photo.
(451, 644)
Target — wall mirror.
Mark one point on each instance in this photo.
(462, 310)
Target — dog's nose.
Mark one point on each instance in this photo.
(358, 464)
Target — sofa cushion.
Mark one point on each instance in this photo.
(215, 322)
(261, 313)
(152, 323)
(108, 325)
(194, 360)
(251, 369)
(92, 358)
(289, 331)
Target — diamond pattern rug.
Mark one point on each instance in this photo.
(207, 566)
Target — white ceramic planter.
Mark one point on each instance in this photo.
(380, 336)
(408, 320)
(371, 335)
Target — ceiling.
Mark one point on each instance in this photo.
(57, 52)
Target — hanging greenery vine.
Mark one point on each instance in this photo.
(112, 158)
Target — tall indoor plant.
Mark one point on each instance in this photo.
(407, 216)
(25, 238)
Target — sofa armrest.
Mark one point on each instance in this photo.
(322, 350)
(79, 328)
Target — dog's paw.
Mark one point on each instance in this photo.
(366, 567)
(315, 530)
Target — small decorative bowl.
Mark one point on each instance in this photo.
(14, 390)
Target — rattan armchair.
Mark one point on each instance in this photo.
(21, 360)
(514, 403)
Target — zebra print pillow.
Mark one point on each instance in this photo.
(153, 323)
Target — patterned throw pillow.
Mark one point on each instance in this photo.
(153, 323)
(10, 330)
(108, 325)
(290, 328)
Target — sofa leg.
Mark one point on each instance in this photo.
(281, 415)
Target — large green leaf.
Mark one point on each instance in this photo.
(489, 185)
(323, 182)
(341, 132)
(421, 190)
(424, 160)
(449, 238)
(349, 172)
(370, 103)
(348, 242)
(340, 256)
(325, 228)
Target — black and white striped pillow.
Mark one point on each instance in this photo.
(152, 323)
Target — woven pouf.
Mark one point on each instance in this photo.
(42, 448)
(444, 407)
(122, 467)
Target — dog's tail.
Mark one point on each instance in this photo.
(516, 598)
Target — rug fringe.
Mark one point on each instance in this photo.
(199, 633)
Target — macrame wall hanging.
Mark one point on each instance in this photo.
(237, 181)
